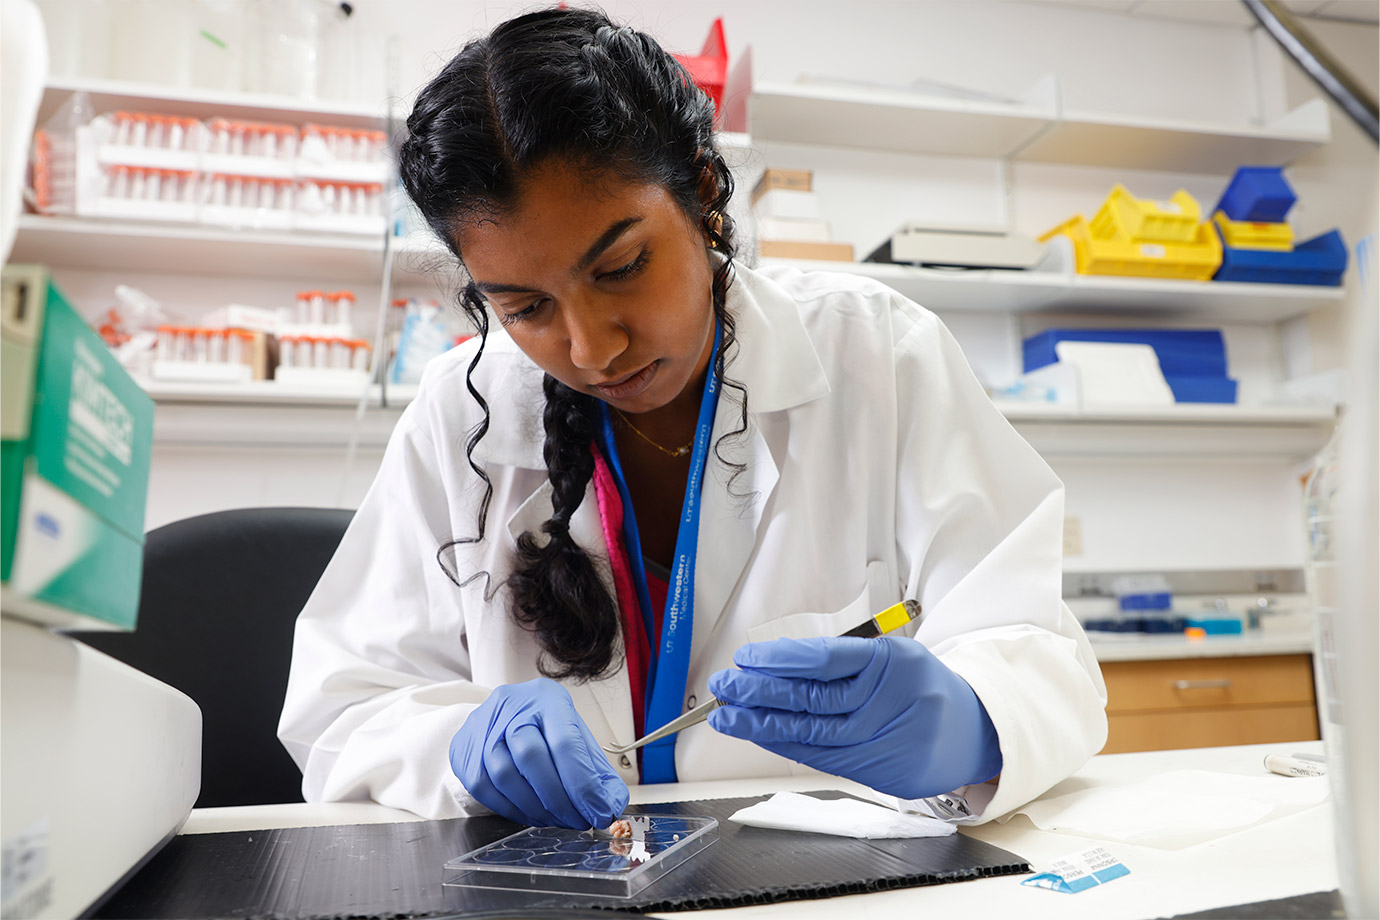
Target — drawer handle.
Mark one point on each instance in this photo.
(1216, 682)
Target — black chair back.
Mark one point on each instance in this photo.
(221, 594)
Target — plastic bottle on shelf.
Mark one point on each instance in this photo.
(360, 356)
(151, 41)
(424, 336)
(219, 47)
(139, 129)
(342, 305)
(167, 343)
(284, 47)
(234, 349)
(78, 33)
(337, 69)
(316, 307)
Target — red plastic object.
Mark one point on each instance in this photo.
(709, 69)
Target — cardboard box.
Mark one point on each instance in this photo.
(785, 228)
(787, 204)
(796, 180)
(76, 432)
(789, 249)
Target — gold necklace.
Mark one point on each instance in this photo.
(670, 452)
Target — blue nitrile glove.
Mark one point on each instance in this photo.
(526, 754)
(884, 712)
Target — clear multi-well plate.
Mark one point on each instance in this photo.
(554, 859)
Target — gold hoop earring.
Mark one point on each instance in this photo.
(713, 226)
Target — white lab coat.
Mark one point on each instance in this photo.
(876, 469)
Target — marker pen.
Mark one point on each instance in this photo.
(1288, 765)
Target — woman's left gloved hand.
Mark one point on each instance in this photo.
(885, 712)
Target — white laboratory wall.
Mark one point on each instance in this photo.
(1183, 514)
(188, 479)
(1135, 512)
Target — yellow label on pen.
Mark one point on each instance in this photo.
(893, 617)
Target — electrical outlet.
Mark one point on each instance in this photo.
(1073, 536)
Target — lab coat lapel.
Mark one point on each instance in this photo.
(729, 517)
(777, 365)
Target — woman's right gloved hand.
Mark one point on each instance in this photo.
(526, 754)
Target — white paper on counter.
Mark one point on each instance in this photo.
(792, 811)
(1176, 809)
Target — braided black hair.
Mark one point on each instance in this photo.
(565, 86)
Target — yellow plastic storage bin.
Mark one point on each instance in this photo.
(1125, 217)
(1195, 261)
(1245, 234)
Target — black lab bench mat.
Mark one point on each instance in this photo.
(394, 870)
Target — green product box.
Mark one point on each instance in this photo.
(75, 437)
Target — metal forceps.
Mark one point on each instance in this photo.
(894, 617)
(693, 717)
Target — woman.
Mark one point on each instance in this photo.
(672, 478)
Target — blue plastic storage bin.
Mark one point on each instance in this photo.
(1181, 352)
(1193, 361)
(1258, 194)
(1321, 260)
(1202, 389)
(1160, 600)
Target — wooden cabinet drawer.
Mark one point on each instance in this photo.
(1159, 731)
(1207, 683)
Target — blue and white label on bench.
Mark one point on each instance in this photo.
(1079, 871)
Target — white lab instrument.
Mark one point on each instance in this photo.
(959, 246)
(102, 764)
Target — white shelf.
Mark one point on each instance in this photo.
(1035, 130)
(1215, 301)
(1204, 414)
(273, 393)
(195, 249)
(255, 392)
(266, 425)
(1085, 139)
(1130, 647)
(267, 413)
(1183, 429)
(1060, 290)
(878, 119)
(112, 95)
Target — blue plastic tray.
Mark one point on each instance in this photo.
(1181, 352)
(1321, 260)
(1202, 388)
(1257, 193)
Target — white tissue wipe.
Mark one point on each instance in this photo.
(791, 811)
(1176, 809)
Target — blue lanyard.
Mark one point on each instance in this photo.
(668, 670)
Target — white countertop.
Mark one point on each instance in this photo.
(1277, 859)
(1141, 647)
